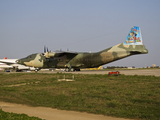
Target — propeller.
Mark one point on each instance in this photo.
(44, 49)
(48, 53)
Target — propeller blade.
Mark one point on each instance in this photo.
(47, 49)
(44, 49)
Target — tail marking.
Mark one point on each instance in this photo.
(134, 37)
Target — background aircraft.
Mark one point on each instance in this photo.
(72, 61)
(10, 64)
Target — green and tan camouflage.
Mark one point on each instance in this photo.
(75, 61)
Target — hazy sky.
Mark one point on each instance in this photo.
(78, 25)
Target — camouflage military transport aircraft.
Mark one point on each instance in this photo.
(73, 61)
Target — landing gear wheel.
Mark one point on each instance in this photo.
(36, 70)
(67, 69)
(77, 69)
(72, 69)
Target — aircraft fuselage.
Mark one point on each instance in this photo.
(83, 60)
(72, 60)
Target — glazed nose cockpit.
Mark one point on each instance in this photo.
(34, 60)
(25, 60)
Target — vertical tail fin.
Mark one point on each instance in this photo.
(134, 37)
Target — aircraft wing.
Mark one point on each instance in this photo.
(8, 62)
(60, 53)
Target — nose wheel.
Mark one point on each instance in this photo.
(36, 70)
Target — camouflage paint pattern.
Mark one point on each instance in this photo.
(67, 59)
(83, 60)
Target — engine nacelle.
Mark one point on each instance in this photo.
(49, 54)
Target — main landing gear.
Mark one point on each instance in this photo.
(72, 69)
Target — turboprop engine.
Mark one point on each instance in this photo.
(49, 54)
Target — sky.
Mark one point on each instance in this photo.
(78, 25)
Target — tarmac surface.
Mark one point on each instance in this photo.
(54, 114)
(155, 72)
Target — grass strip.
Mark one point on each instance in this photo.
(136, 97)
(14, 116)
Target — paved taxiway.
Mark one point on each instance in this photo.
(155, 72)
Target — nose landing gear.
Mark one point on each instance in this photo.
(36, 70)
